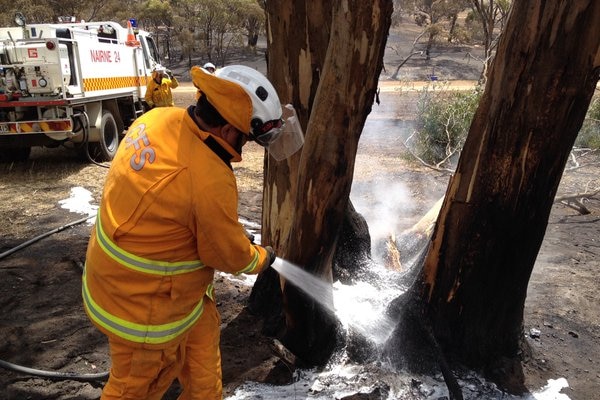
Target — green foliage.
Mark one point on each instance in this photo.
(589, 134)
(443, 121)
(444, 118)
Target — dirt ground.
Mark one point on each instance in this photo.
(43, 325)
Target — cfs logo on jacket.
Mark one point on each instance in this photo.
(142, 151)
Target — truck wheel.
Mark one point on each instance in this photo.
(106, 148)
(17, 154)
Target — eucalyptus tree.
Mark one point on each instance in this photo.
(437, 17)
(228, 27)
(469, 298)
(324, 57)
(253, 20)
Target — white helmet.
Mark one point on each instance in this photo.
(209, 66)
(274, 128)
(266, 108)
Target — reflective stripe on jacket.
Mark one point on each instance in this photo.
(168, 219)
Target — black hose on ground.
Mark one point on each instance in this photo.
(38, 372)
(35, 239)
(101, 376)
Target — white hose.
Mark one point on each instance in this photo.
(54, 374)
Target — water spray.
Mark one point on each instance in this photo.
(354, 308)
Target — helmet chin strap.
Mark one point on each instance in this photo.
(242, 140)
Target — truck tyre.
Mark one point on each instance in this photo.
(17, 154)
(106, 148)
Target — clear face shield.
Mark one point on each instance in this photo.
(285, 136)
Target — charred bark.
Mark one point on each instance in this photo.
(353, 251)
(492, 223)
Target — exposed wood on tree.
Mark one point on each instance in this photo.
(496, 210)
(402, 249)
(391, 257)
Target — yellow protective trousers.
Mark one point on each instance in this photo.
(144, 374)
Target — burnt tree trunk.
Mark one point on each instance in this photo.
(324, 57)
(473, 286)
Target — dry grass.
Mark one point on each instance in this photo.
(30, 191)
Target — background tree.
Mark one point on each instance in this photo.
(254, 21)
(228, 28)
(471, 292)
(491, 15)
(437, 17)
(157, 17)
(188, 28)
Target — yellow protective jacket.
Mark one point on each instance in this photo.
(168, 218)
(159, 95)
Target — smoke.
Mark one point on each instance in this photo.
(378, 191)
(384, 204)
(388, 190)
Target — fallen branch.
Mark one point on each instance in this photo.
(578, 166)
(283, 353)
(574, 158)
(412, 53)
(575, 200)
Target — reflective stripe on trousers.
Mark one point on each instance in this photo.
(210, 291)
(138, 333)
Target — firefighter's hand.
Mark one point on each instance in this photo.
(249, 236)
(270, 256)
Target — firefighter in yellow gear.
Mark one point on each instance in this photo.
(158, 89)
(211, 68)
(167, 220)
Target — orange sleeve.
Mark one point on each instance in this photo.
(221, 239)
